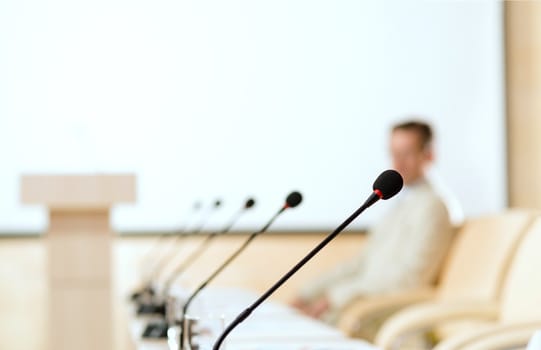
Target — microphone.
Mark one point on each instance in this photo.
(159, 329)
(153, 250)
(387, 185)
(147, 286)
(158, 308)
(205, 244)
(292, 200)
(172, 252)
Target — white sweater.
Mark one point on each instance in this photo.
(405, 250)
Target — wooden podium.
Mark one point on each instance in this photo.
(79, 254)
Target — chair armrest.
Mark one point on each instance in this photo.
(425, 316)
(509, 336)
(364, 312)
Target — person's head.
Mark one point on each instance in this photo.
(411, 149)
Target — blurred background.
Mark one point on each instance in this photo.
(206, 100)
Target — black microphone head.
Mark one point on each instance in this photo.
(293, 199)
(217, 203)
(249, 203)
(388, 184)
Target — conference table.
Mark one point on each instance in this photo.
(273, 326)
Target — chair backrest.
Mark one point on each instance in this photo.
(521, 296)
(481, 255)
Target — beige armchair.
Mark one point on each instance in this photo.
(520, 312)
(364, 317)
(470, 284)
(511, 336)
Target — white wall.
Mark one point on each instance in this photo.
(234, 98)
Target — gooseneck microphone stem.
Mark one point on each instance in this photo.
(187, 262)
(172, 251)
(196, 253)
(167, 256)
(243, 315)
(168, 253)
(220, 269)
(164, 236)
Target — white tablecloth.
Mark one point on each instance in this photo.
(273, 326)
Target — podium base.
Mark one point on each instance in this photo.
(156, 330)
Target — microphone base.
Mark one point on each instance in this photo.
(156, 330)
(146, 292)
(151, 309)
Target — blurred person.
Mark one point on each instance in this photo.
(404, 251)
